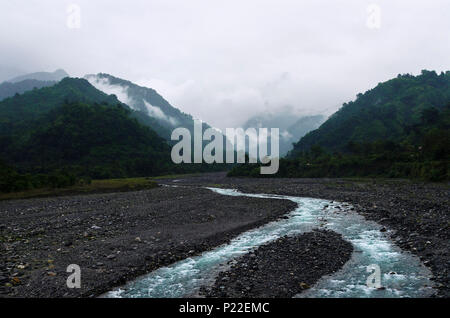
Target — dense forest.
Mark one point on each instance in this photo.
(72, 132)
(399, 129)
(385, 112)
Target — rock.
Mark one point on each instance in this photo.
(304, 285)
(111, 256)
(383, 229)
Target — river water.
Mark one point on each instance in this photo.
(401, 273)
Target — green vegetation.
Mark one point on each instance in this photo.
(61, 136)
(386, 112)
(18, 111)
(12, 181)
(416, 144)
(141, 98)
(94, 186)
(99, 141)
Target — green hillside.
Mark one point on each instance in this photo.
(58, 135)
(100, 141)
(383, 113)
(21, 109)
(399, 129)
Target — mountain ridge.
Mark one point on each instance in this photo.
(384, 112)
(56, 76)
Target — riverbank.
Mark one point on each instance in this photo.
(415, 214)
(282, 268)
(95, 186)
(116, 237)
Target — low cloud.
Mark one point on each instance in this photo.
(225, 61)
(104, 85)
(156, 112)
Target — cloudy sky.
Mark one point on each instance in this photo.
(226, 60)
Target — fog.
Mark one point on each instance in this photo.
(224, 61)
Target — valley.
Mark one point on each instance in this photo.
(117, 237)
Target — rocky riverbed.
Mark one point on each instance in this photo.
(283, 268)
(415, 214)
(116, 237)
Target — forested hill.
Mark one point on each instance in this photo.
(399, 129)
(152, 109)
(385, 112)
(31, 105)
(72, 126)
(72, 130)
(99, 141)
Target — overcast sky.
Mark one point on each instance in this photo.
(225, 60)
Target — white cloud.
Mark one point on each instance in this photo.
(156, 112)
(224, 61)
(104, 85)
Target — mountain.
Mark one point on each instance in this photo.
(8, 89)
(73, 129)
(21, 109)
(399, 129)
(41, 76)
(73, 126)
(160, 115)
(304, 125)
(100, 141)
(385, 112)
(292, 126)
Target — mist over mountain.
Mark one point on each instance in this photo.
(163, 117)
(292, 126)
(385, 112)
(34, 103)
(74, 130)
(41, 76)
(400, 128)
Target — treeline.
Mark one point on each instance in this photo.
(386, 112)
(76, 142)
(13, 181)
(424, 154)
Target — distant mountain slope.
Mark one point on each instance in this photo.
(76, 129)
(386, 112)
(72, 126)
(8, 89)
(162, 116)
(292, 126)
(41, 76)
(33, 104)
(100, 141)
